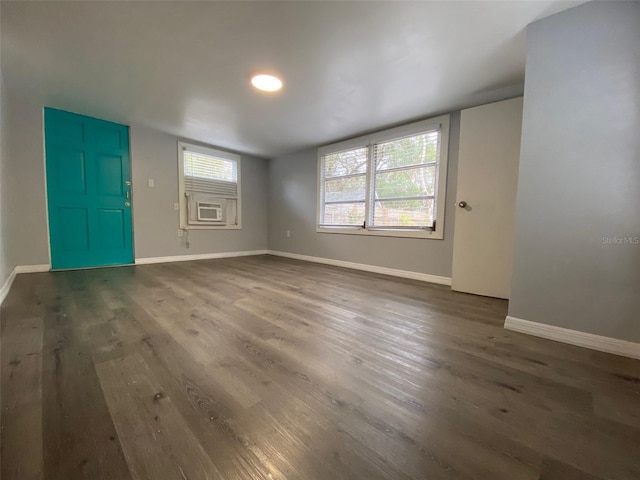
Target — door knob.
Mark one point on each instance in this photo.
(462, 204)
(127, 204)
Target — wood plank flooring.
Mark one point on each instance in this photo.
(268, 368)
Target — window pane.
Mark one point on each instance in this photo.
(345, 189)
(403, 213)
(200, 165)
(343, 214)
(345, 163)
(414, 150)
(414, 182)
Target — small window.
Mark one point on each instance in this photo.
(391, 183)
(209, 188)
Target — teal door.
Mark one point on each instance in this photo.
(88, 189)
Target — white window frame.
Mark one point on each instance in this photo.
(440, 123)
(181, 190)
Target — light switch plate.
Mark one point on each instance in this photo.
(151, 183)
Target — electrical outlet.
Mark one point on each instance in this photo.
(176, 206)
(151, 183)
(288, 233)
(180, 232)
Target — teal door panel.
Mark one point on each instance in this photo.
(88, 189)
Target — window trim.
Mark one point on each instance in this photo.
(368, 141)
(182, 199)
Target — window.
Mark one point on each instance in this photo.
(209, 188)
(390, 183)
(345, 187)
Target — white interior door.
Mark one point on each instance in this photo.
(486, 198)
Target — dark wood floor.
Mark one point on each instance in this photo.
(266, 368)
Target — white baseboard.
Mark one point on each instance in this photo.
(33, 268)
(4, 290)
(423, 277)
(202, 256)
(574, 337)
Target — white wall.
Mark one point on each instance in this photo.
(579, 180)
(155, 224)
(292, 206)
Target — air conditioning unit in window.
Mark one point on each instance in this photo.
(205, 209)
(209, 212)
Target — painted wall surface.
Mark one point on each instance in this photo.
(577, 248)
(292, 206)
(6, 265)
(155, 222)
(26, 205)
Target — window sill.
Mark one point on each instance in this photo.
(211, 227)
(428, 234)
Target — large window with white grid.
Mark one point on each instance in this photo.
(390, 183)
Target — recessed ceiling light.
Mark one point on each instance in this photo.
(266, 83)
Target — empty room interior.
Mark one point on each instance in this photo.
(320, 240)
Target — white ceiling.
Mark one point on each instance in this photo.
(348, 67)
